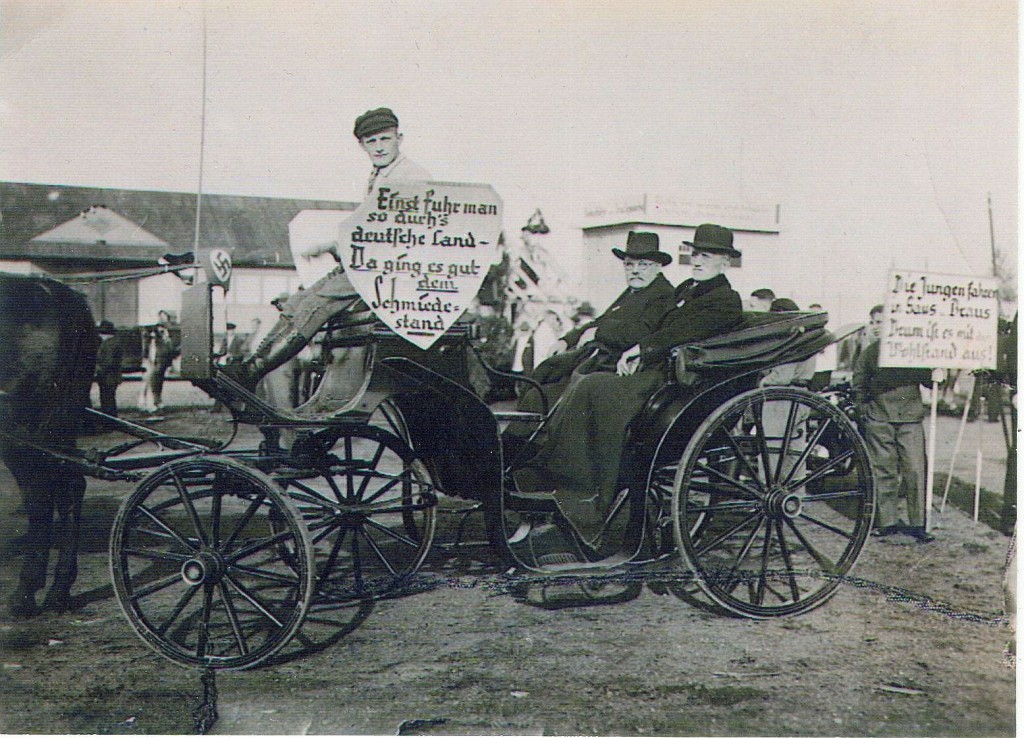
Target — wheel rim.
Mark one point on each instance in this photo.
(371, 515)
(211, 564)
(772, 502)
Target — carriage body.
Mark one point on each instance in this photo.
(759, 497)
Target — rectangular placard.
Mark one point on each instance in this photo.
(945, 321)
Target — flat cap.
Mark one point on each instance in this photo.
(374, 121)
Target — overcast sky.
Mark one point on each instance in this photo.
(878, 127)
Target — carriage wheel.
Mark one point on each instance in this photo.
(370, 512)
(211, 563)
(772, 502)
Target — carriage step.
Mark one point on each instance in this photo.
(508, 416)
(540, 502)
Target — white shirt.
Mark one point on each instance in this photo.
(401, 168)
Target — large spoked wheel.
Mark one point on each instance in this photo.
(772, 502)
(211, 563)
(371, 513)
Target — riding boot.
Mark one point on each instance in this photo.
(272, 353)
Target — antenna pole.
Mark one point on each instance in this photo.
(202, 148)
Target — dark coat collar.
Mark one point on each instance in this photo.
(691, 288)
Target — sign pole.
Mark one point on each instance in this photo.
(930, 484)
(959, 439)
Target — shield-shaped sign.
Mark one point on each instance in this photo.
(217, 266)
(418, 252)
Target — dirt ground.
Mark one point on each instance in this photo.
(911, 644)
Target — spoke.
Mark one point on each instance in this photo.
(784, 450)
(723, 506)
(308, 494)
(387, 531)
(242, 523)
(332, 559)
(819, 473)
(271, 576)
(349, 484)
(811, 443)
(155, 586)
(826, 526)
(743, 459)
(380, 554)
(755, 494)
(215, 514)
(823, 562)
(766, 549)
(357, 562)
(252, 600)
(787, 560)
(236, 627)
(836, 495)
(167, 529)
(329, 478)
(762, 442)
(394, 481)
(177, 558)
(326, 527)
(178, 609)
(727, 534)
(204, 622)
(190, 508)
(371, 467)
(733, 581)
(251, 548)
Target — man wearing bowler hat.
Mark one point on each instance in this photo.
(108, 367)
(580, 446)
(306, 311)
(597, 345)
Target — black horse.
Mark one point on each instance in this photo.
(48, 344)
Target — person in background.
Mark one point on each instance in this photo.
(761, 300)
(891, 411)
(108, 367)
(161, 354)
(799, 373)
(306, 311)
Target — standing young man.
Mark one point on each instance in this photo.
(889, 400)
(303, 314)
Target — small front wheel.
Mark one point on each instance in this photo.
(211, 563)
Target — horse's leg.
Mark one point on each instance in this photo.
(30, 470)
(69, 491)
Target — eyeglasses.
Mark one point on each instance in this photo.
(641, 264)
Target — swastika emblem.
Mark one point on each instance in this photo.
(220, 266)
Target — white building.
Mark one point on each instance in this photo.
(756, 232)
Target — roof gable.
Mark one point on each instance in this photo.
(100, 225)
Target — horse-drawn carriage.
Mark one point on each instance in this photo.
(763, 495)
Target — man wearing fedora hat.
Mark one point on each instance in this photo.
(581, 444)
(304, 312)
(108, 367)
(597, 345)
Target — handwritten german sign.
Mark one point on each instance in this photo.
(418, 252)
(940, 321)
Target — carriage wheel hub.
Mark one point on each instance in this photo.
(206, 567)
(781, 502)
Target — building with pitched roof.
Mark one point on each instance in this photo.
(63, 230)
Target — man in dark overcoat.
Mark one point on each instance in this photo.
(582, 443)
(597, 345)
(108, 367)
